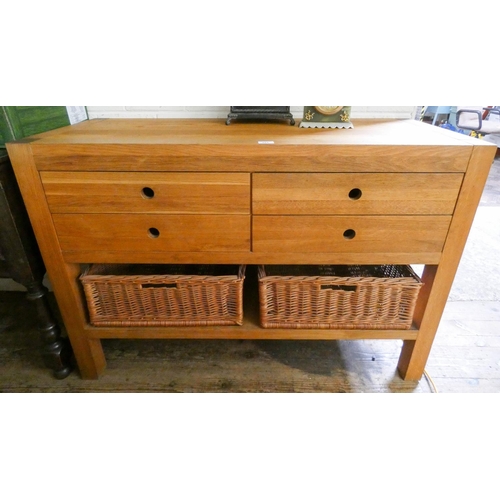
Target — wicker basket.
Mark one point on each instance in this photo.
(164, 295)
(348, 297)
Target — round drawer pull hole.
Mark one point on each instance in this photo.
(147, 193)
(349, 234)
(355, 194)
(153, 232)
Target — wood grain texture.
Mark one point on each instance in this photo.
(130, 233)
(210, 145)
(253, 158)
(169, 193)
(162, 257)
(364, 194)
(214, 132)
(346, 234)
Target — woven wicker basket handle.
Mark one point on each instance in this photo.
(340, 288)
(159, 285)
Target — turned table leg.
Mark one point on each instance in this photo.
(23, 263)
(57, 352)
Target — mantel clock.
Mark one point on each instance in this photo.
(326, 117)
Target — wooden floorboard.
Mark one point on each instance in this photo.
(465, 358)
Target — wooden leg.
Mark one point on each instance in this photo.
(414, 353)
(90, 358)
(88, 352)
(57, 353)
(408, 369)
(438, 280)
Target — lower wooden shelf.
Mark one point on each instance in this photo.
(250, 329)
(247, 331)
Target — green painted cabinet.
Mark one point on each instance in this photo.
(17, 122)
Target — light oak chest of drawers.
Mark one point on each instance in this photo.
(198, 191)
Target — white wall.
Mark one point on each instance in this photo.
(222, 111)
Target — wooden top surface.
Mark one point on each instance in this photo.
(214, 132)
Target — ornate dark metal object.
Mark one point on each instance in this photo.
(260, 113)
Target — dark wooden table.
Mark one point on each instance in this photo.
(21, 261)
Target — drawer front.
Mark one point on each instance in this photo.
(156, 233)
(363, 194)
(370, 234)
(175, 193)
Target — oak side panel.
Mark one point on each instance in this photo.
(63, 277)
(439, 280)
